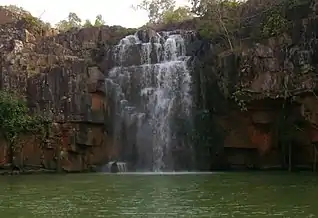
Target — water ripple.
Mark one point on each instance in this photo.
(174, 195)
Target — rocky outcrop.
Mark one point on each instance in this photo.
(62, 76)
(263, 101)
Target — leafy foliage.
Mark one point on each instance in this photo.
(164, 11)
(238, 97)
(33, 24)
(156, 8)
(277, 20)
(274, 24)
(206, 7)
(296, 3)
(15, 119)
(73, 21)
(177, 15)
(256, 18)
(235, 20)
(218, 17)
(99, 21)
(88, 23)
(36, 25)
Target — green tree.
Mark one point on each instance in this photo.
(156, 8)
(99, 21)
(73, 21)
(177, 15)
(88, 23)
(200, 7)
(220, 17)
(15, 120)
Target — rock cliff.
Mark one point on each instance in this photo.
(254, 106)
(62, 78)
(273, 80)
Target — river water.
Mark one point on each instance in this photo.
(255, 194)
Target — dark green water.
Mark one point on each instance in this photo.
(191, 195)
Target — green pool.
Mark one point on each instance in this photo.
(254, 194)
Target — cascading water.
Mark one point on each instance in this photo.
(149, 87)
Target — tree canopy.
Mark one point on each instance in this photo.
(176, 15)
(73, 21)
(220, 17)
(164, 11)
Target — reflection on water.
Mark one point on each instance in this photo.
(166, 173)
(160, 195)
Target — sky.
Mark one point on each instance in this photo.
(114, 12)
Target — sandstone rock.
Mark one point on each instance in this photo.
(58, 75)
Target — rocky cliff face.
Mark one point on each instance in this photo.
(250, 105)
(62, 76)
(273, 81)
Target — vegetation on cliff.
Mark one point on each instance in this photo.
(36, 25)
(235, 19)
(226, 19)
(229, 21)
(15, 120)
(33, 24)
(74, 21)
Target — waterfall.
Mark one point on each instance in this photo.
(150, 89)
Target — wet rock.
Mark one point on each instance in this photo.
(114, 168)
(147, 35)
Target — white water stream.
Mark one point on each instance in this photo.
(150, 91)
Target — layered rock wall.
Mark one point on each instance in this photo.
(273, 81)
(62, 76)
